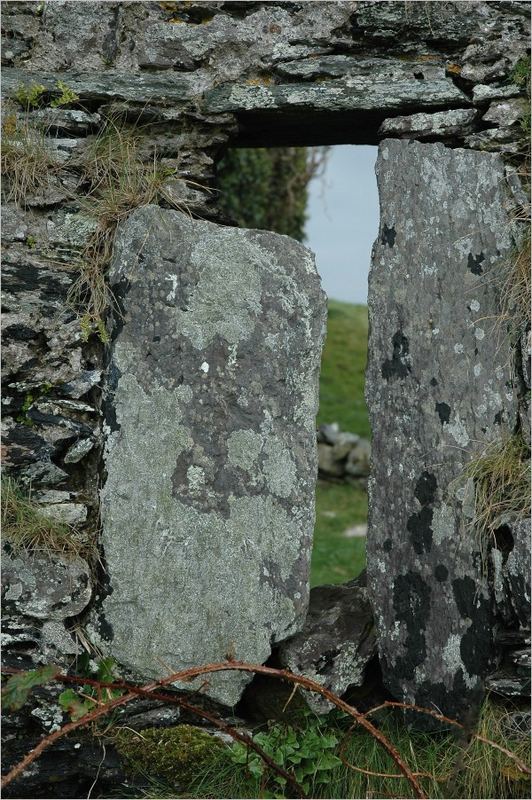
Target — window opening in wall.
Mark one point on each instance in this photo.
(327, 198)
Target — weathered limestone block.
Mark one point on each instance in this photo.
(337, 641)
(438, 388)
(512, 574)
(208, 507)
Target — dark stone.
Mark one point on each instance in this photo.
(337, 641)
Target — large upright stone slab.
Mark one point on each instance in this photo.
(438, 388)
(208, 505)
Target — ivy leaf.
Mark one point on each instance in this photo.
(18, 687)
(75, 706)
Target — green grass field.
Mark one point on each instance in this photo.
(336, 558)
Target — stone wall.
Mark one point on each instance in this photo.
(195, 78)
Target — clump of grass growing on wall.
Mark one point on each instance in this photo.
(27, 162)
(501, 476)
(26, 527)
(119, 180)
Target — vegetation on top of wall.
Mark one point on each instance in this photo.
(118, 180)
(116, 177)
(27, 527)
(28, 165)
(267, 188)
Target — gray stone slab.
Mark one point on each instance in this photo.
(361, 91)
(438, 388)
(208, 506)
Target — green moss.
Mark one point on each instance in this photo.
(175, 754)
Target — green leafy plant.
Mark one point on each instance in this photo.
(18, 687)
(66, 97)
(29, 95)
(307, 752)
(78, 703)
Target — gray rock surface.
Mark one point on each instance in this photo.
(440, 124)
(44, 586)
(337, 641)
(438, 388)
(212, 391)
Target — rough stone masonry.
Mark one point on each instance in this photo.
(197, 77)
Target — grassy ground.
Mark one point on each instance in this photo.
(446, 766)
(336, 558)
(342, 368)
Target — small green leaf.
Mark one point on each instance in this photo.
(75, 706)
(18, 687)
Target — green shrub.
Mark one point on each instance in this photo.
(307, 753)
(268, 188)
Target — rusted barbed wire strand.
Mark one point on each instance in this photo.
(442, 718)
(194, 672)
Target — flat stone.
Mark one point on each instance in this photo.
(483, 93)
(344, 444)
(78, 451)
(359, 92)
(69, 513)
(424, 126)
(329, 433)
(45, 586)
(439, 388)
(337, 641)
(208, 506)
(164, 88)
(506, 113)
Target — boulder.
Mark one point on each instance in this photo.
(439, 388)
(211, 397)
(337, 641)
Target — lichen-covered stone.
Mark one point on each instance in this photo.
(45, 586)
(439, 388)
(337, 641)
(440, 124)
(208, 506)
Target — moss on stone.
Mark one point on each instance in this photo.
(175, 754)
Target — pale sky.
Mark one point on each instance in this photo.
(343, 221)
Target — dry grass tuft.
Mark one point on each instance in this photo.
(501, 476)
(119, 181)
(25, 527)
(27, 163)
